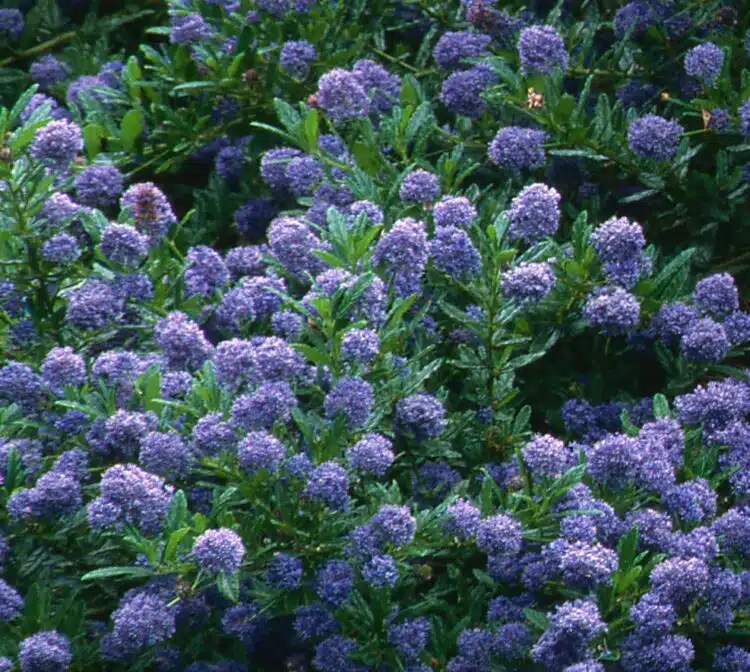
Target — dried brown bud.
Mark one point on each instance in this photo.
(250, 75)
(665, 96)
(706, 118)
(6, 154)
(312, 101)
(534, 100)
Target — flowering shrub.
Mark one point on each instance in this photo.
(320, 323)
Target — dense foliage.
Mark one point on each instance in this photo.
(381, 335)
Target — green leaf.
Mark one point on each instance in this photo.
(537, 618)
(178, 511)
(174, 541)
(21, 104)
(14, 471)
(565, 108)
(131, 128)
(229, 586)
(93, 134)
(626, 549)
(288, 116)
(421, 117)
(313, 354)
(111, 572)
(661, 406)
(483, 578)
(312, 131)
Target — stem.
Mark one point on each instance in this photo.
(65, 37)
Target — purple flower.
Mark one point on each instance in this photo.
(461, 92)
(183, 343)
(11, 24)
(211, 435)
(141, 620)
(370, 210)
(313, 622)
(565, 642)
(612, 310)
(205, 272)
(133, 496)
(383, 89)
(705, 62)
(744, 113)
(11, 602)
(615, 460)
(671, 653)
(633, 18)
(499, 535)
(653, 137)
(353, 398)
(270, 403)
(462, 519)
(245, 261)
(329, 484)
(48, 71)
(737, 328)
(189, 29)
(342, 96)
(705, 341)
(285, 572)
(360, 345)
(39, 100)
(62, 367)
(394, 524)
(420, 186)
(287, 324)
(165, 454)
(421, 416)
(273, 165)
(717, 294)
(292, 243)
(454, 211)
(410, 637)
(404, 250)
(715, 406)
(335, 582)
(547, 456)
(733, 531)
(218, 551)
(242, 621)
(673, 320)
(541, 49)
(584, 565)
(304, 175)
(453, 47)
(45, 651)
(619, 246)
(150, 210)
(57, 144)
(124, 244)
(92, 306)
(99, 186)
(731, 658)
(230, 163)
(62, 249)
(528, 282)
(372, 454)
(453, 253)
(260, 450)
(334, 655)
(534, 214)
(680, 581)
(380, 571)
(296, 58)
